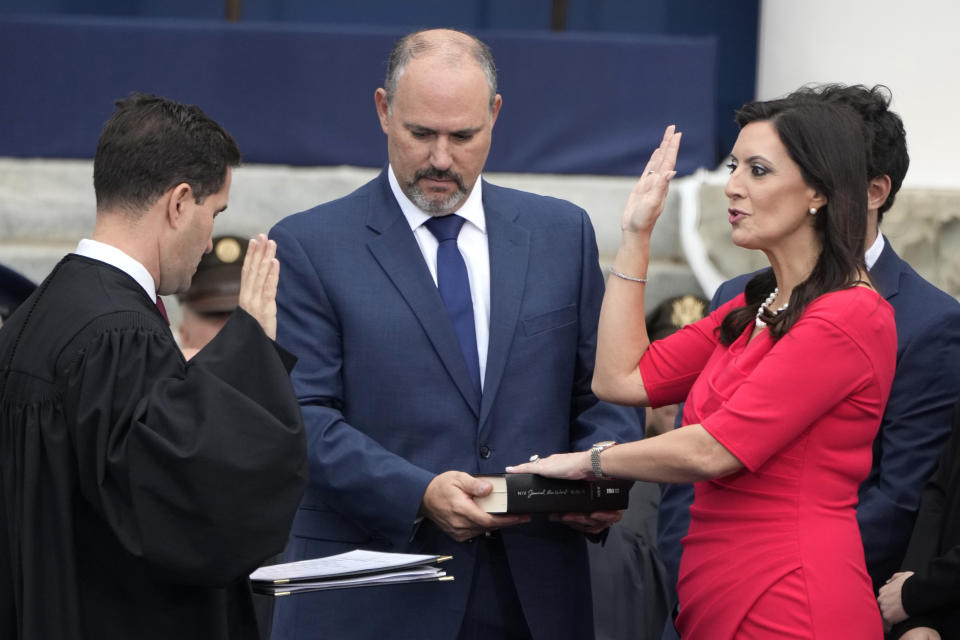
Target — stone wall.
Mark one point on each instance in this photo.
(46, 206)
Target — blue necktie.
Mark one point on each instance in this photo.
(454, 286)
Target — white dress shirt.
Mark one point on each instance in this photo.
(473, 245)
(873, 253)
(96, 250)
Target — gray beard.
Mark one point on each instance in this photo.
(431, 205)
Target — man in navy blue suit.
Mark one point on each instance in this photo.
(425, 360)
(916, 423)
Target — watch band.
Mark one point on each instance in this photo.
(595, 457)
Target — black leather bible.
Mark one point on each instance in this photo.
(530, 493)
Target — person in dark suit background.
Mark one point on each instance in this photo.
(916, 422)
(408, 393)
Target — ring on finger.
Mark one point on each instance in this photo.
(535, 458)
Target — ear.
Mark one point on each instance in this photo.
(383, 109)
(878, 190)
(497, 103)
(177, 205)
(817, 200)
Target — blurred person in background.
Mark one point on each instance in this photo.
(667, 318)
(213, 294)
(630, 598)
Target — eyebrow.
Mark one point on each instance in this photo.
(411, 126)
(756, 156)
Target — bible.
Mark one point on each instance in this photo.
(530, 493)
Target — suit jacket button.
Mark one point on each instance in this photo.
(485, 452)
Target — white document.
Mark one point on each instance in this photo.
(351, 569)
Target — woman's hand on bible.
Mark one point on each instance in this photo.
(258, 283)
(568, 466)
(649, 194)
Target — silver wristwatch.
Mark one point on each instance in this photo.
(595, 457)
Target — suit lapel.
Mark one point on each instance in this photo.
(885, 273)
(509, 245)
(397, 252)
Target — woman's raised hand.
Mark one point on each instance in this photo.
(646, 200)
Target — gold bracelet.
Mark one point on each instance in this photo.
(626, 277)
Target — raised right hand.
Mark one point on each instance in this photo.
(258, 283)
(649, 194)
(448, 502)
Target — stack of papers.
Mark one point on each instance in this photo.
(356, 568)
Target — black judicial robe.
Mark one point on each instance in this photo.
(138, 490)
(931, 597)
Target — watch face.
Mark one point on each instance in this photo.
(605, 443)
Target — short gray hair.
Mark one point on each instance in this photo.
(415, 44)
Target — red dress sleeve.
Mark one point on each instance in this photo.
(671, 365)
(826, 357)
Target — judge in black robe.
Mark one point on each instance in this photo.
(138, 491)
(931, 596)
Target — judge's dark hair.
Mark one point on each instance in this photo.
(151, 144)
(888, 150)
(829, 143)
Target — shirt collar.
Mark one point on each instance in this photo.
(115, 257)
(873, 253)
(471, 210)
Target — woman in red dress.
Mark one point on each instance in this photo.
(787, 384)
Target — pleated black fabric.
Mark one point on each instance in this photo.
(138, 491)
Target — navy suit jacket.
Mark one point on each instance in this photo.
(388, 402)
(914, 428)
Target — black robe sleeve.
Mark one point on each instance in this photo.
(934, 549)
(197, 468)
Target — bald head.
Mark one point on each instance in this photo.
(448, 47)
(438, 110)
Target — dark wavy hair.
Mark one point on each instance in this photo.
(151, 144)
(888, 149)
(830, 145)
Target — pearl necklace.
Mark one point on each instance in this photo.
(765, 308)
